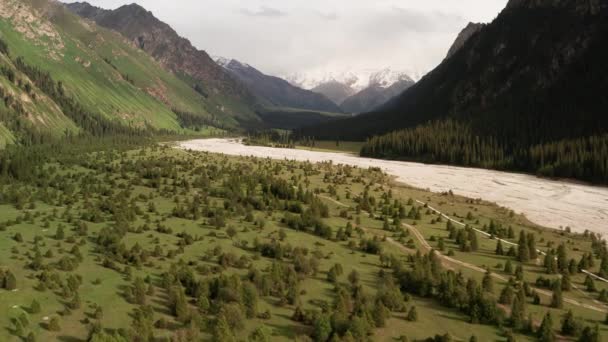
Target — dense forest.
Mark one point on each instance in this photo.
(450, 142)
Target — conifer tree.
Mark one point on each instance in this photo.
(545, 332)
(523, 251)
(556, 299)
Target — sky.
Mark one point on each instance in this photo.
(313, 37)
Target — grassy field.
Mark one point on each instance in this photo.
(111, 217)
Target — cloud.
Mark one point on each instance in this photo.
(327, 16)
(267, 12)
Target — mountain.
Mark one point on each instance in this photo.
(61, 75)
(334, 90)
(527, 92)
(176, 54)
(357, 92)
(276, 92)
(383, 87)
(463, 37)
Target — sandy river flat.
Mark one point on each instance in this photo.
(550, 203)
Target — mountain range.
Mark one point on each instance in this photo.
(277, 92)
(356, 92)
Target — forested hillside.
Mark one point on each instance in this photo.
(61, 75)
(175, 53)
(533, 80)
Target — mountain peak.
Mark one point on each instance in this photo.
(463, 37)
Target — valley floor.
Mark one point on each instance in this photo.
(174, 243)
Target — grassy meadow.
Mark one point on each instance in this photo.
(159, 244)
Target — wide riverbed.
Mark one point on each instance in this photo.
(554, 204)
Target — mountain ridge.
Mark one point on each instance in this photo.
(276, 91)
(174, 52)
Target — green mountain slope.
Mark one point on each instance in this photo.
(142, 29)
(99, 69)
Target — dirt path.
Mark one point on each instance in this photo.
(446, 259)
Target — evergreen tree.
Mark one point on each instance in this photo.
(532, 246)
(562, 258)
(260, 334)
(322, 328)
(35, 307)
(499, 248)
(488, 282)
(10, 282)
(545, 331)
(570, 326)
(523, 251)
(412, 315)
(222, 331)
(590, 334)
(557, 300)
(508, 267)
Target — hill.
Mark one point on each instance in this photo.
(277, 92)
(66, 75)
(526, 92)
(177, 54)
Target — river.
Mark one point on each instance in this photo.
(550, 203)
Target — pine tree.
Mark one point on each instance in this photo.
(532, 246)
(590, 334)
(222, 331)
(412, 315)
(260, 334)
(35, 307)
(523, 251)
(10, 282)
(545, 331)
(556, 299)
(488, 282)
(499, 248)
(508, 267)
(518, 312)
(322, 328)
(250, 300)
(562, 258)
(570, 327)
(566, 282)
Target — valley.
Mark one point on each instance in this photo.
(342, 174)
(556, 204)
(186, 245)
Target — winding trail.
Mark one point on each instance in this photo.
(446, 259)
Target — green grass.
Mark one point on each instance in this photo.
(433, 318)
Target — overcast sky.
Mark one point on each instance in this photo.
(283, 37)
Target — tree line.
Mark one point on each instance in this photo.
(451, 142)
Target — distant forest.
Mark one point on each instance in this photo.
(454, 143)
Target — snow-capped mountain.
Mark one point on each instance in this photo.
(355, 79)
